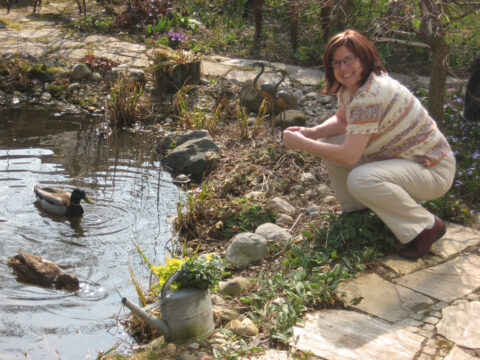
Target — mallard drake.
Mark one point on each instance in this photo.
(35, 269)
(61, 202)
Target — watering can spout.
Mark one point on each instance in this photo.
(156, 323)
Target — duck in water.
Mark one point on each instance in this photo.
(37, 270)
(61, 202)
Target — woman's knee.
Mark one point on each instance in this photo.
(359, 181)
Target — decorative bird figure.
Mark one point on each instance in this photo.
(267, 89)
(285, 99)
(61, 202)
(37, 270)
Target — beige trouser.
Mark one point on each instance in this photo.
(391, 189)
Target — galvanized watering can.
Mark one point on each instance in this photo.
(186, 313)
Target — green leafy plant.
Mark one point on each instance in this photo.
(349, 234)
(163, 272)
(449, 208)
(199, 272)
(247, 218)
(140, 13)
(93, 23)
(313, 268)
(162, 25)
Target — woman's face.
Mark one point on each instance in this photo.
(347, 68)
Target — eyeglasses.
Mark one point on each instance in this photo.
(346, 60)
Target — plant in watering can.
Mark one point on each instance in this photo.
(184, 296)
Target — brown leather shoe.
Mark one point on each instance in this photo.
(423, 242)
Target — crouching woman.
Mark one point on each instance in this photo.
(381, 149)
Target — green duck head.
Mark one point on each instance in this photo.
(78, 195)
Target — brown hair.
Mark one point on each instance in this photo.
(361, 47)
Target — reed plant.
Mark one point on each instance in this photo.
(247, 129)
(14, 74)
(194, 119)
(128, 102)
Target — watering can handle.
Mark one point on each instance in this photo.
(167, 284)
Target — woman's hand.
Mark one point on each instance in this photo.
(293, 139)
(305, 131)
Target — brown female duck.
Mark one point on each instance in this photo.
(37, 270)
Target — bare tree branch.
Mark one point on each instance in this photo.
(402, 42)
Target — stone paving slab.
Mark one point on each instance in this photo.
(348, 335)
(456, 239)
(448, 281)
(461, 324)
(402, 266)
(395, 303)
(458, 354)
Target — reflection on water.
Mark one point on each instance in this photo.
(132, 202)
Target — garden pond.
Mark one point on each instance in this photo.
(134, 201)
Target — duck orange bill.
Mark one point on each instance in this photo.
(87, 199)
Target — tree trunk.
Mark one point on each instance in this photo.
(258, 14)
(431, 32)
(293, 17)
(438, 79)
(325, 15)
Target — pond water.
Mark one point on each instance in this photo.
(133, 203)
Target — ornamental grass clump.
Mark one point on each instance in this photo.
(128, 102)
(171, 70)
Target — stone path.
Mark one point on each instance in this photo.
(424, 309)
(417, 310)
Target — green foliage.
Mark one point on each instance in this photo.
(280, 301)
(350, 234)
(162, 25)
(313, 269)
(247, 218)
(194, 118)
(201, 272)
(449, 208)
(93, 24)
(43, 72)
(464, 192)
(58, 87)
(168, 21)
(163, 272)
(139, 14)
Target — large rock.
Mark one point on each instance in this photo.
(282, 206)
(134, 74)
(80, 71)
(246, 248)
(242, 327)
(273, 233)
(233, 287)
(192, 152)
